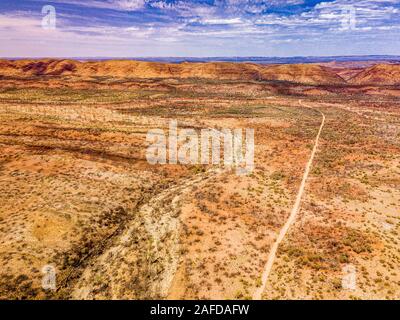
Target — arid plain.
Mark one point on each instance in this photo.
(77, 193)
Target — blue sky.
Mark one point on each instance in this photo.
(139, 28)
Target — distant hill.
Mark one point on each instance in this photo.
(382, 74)
(259, 60)
(272, 60)
(302, 73)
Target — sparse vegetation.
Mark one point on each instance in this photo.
(78, 193)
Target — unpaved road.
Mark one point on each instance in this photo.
(292, 217)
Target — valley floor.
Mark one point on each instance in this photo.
(77, 193)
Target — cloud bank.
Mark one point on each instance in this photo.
(129, 28)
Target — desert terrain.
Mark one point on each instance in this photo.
(77, 193)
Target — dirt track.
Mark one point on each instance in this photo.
(296, 207)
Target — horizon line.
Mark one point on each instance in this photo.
(201, 57)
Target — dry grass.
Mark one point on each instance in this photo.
(77, 192)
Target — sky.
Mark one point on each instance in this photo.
(201, 28)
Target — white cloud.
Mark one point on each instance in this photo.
(128, 4)
(189, 24)
(122, 5)
(222, 21)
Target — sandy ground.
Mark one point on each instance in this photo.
(77, 193)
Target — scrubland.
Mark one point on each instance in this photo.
(77, 193)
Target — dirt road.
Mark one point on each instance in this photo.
(292, 217)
